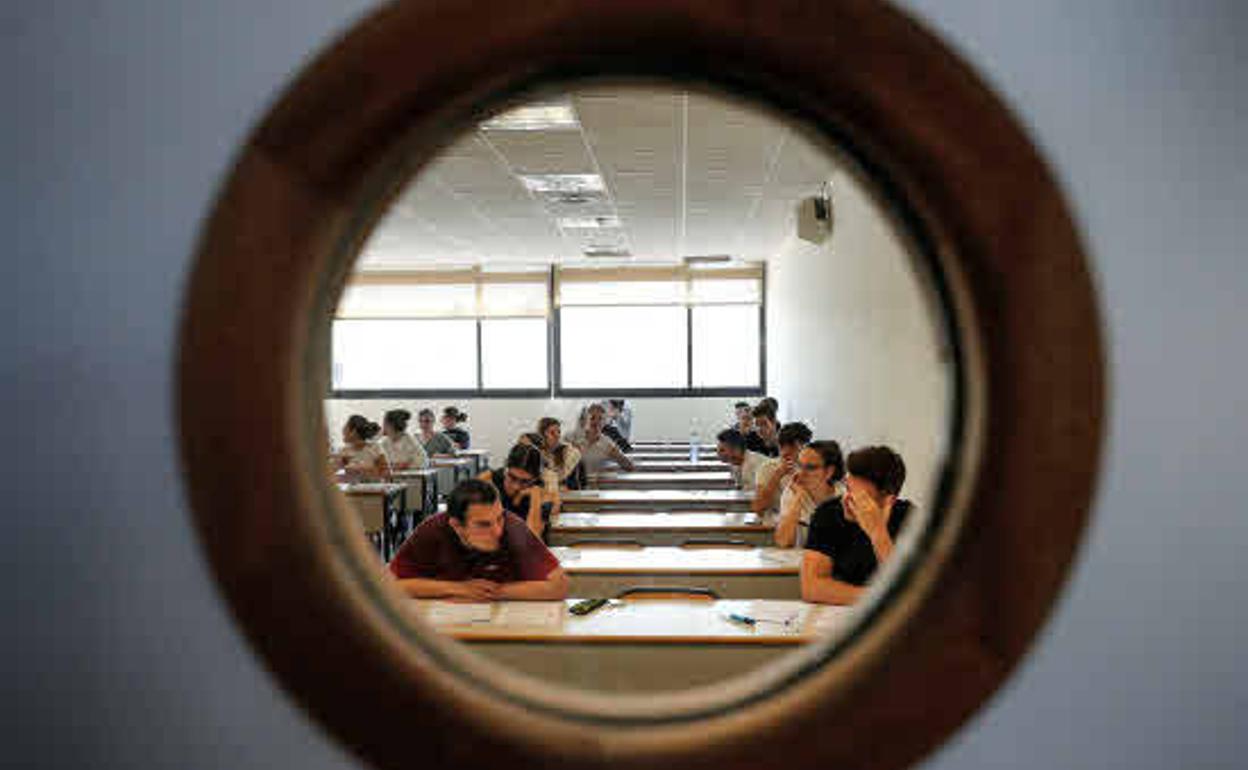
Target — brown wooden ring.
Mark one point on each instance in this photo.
(362, 117)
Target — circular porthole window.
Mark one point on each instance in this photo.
(615, 122)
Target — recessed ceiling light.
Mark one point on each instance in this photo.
(606, 251)
(563, 183)
(548, 116)
(588, 223)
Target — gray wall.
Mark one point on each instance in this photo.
(119, 120)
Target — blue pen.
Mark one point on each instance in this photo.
(746, 619)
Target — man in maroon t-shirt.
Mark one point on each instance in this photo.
(477, 552)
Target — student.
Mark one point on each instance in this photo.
(763, 439)
(451, 418)
(361, 458)
(743, 463)
(771, 404)
(402, 451)
(596, 448)
(620, 417)
(850, 536)
(820, 468)
(478, 552)
(520, 486)
(433, 442)
(560, 457)
(775, 474)
(745, 417)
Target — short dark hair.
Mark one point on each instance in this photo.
(397, 418)
(526, 457)
(454, 414)
(426, 412)
(830, 452)
(741, 405)
(794, 433)
(770, 402)
(469, 492)
(880, 465)
(732, 437)
(764, 410)
(362, 426)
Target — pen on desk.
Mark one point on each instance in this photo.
(746, 619)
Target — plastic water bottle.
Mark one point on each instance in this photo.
(693, 440)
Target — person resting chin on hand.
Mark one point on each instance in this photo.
(852, 535)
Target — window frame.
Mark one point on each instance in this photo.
(554, 372)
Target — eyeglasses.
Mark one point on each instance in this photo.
(519, 481)
(810, 467)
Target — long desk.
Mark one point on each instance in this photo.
(733, 573)
(669, 446)
(451, 471)
(660, 528)
(670, 453)
(676, 465)
(480, 458)
(657, 499)
(381, 508)
(658, 480)
(635, 646)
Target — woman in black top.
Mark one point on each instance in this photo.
(519, 484)
(850, 536)
(451, 418)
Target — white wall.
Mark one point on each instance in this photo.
(495, 423)
(852, 346)
(122, 118)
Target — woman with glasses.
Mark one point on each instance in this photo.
(520, 487)
(816, 479)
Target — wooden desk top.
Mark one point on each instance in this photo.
(596, 523)
(659, 478)
(675, 465)
(446, 461)
(651, 621)
(673, 497)
(675, 560)
(414, 473)
(379, 488)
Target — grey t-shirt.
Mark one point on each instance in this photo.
(438, 445)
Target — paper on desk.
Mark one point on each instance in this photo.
(452, 614)
(529, 614)
(773, 614)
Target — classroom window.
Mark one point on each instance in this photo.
(623, 347)
(396, 354)
(725, 346)
(513, 354)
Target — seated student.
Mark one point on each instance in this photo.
(745, 417)
(763, 438)
(742, 463)
(434, 443)
(850, 536)
(596, 448)
(776, 473)
(520, 487)
(361, 458)
(820, 468)
(402, 451)
(771, 404)
(478, 552)
(451, 418)
(560, 457)
(620, 417)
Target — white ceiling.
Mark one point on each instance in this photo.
(686, 174)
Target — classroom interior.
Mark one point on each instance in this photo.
(682, 251)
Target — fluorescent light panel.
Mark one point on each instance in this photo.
(563, 183)
(546, 116)
(588, 223)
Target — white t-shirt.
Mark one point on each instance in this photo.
(405, 451)
(364, 458)
(772, 466)
(594, 455)
(746, 473)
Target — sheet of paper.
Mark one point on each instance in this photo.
(529, 615)
(452, 614)
(774, 615)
